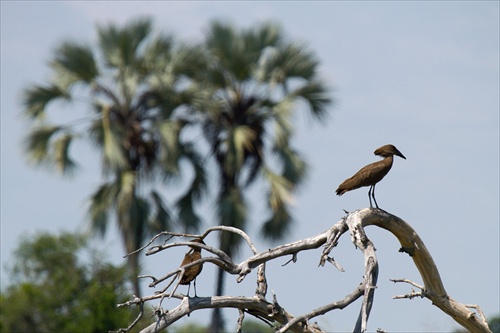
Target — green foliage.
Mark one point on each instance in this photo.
(56, 291)
(254, 326)
(74, 63)
(190, 328)
(249, 326)
(241, 88)
(257, 81)
(36, 98)
(494, 324)
(137, 88)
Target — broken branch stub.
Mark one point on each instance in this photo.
(273, 312)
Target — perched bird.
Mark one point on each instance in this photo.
(371, 174)
(192, 272)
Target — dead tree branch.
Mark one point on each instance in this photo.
(272, 312)
(434, 288)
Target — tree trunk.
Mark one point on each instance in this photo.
(227, 243)
(133, 264)
(131, 242)
(217, 323)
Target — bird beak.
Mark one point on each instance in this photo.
(399, 154)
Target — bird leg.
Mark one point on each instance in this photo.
(369, 196)
(189, 287)
(373, 195)
(195, 295)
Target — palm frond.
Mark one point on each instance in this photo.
(278, 225)
(241, 138)
(189, 220)
(199, 184)
(128, 182)
(74, 62)
(280, 189)
(36, 98)
(279, 64)
(158, 51)
(37, 143)
(95, 132)
(120, 45)
(161, 218)
(265, 67)
(268, 34)
(102, 202)
(295, 60)
(64, 163)
(316, 96)
(282, 112)
(217, 76)
(230, 54)
(129, 80)
(294, 166)
(255, 45)
(170, 131)
(187, 60)
(220, 38)
(279, 198)
(113, 153)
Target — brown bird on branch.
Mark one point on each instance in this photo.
(192, 272)
(371, 174)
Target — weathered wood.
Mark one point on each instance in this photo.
(259, 307)
(434, 288)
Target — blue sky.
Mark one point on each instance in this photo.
(421, 75)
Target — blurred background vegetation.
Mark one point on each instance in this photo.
(160, 111)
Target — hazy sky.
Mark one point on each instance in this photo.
(421, 75)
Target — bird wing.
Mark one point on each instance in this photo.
(192, 272)
(366, 176)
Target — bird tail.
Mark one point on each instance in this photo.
(340, 191)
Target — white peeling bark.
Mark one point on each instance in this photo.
(272, 312)
(434, 289)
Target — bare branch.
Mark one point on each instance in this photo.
(239, 325)
(272, 312)
(362, 242)
(410, 295)
(332, 261)
(139, 317)
(357, 293)
(434, 289)
(252, 305)
(479, 311)
(408, 281)
(261, 290)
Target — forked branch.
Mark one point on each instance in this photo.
(272, 313)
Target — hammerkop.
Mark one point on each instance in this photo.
(192, 272)
(371, 174)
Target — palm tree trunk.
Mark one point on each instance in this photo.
(228, 241)
(131, 243)
(217, 323)
(133, 263)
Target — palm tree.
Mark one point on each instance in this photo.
(254, 84)
(136, 89)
